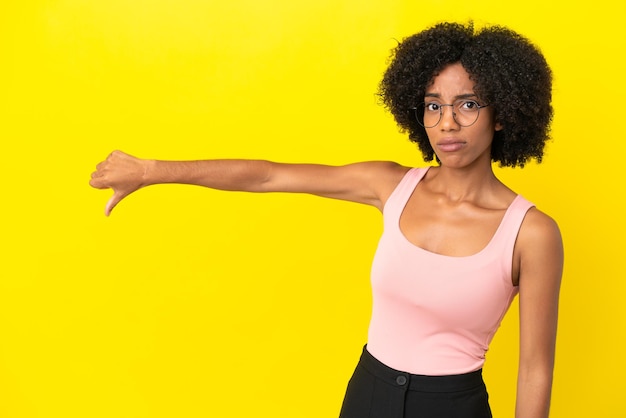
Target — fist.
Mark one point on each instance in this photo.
(121, 172)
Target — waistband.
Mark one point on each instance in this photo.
(418, 382)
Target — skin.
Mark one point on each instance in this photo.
(455, 210)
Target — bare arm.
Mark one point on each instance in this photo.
(540, 269)
(368, 182)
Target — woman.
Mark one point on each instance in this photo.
(458, 245)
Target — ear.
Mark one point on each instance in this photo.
(499, 126)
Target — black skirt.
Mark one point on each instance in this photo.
(378, 391)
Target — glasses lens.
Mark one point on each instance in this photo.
(466, 112)
(428, 117)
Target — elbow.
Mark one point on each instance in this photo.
(263, 179)
(537, 370)
(536, 379)
(534, 392)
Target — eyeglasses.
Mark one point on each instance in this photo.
(464, 112)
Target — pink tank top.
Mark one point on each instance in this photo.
(434, 314)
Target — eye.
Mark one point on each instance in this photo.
(432, 107)
(468, 105)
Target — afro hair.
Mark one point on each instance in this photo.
(509, 72)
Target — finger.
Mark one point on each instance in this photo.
(113, 201)
(97, 182)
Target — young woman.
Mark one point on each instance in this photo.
(458, 245)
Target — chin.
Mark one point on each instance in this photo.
(452, 161)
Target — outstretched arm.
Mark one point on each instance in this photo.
(540, 269)
(368, 182)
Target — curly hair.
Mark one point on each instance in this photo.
(509, 72)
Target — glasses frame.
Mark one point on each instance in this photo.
(441, 106)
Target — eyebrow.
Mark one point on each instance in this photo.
(460, 96)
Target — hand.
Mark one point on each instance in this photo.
(121, 172)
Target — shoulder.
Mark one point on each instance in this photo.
(382, 173)
(385, 168)
(540, 248)
(380, 177)
(538, 227)
(385, 177)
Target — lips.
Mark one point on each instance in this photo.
(450, 145)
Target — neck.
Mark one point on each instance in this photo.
(463, 184)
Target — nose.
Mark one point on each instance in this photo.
(448, 120)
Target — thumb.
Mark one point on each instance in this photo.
(114, 200)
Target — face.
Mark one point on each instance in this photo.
(455, 145)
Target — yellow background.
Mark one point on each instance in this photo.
(196, 303)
